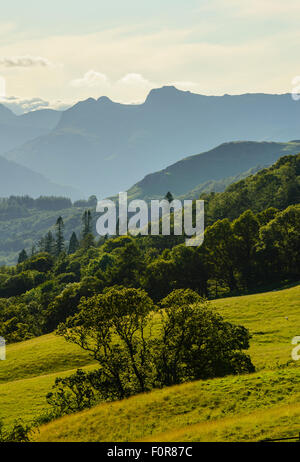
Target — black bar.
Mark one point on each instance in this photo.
(146, 451)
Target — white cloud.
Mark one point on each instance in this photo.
(134, 79)
(130, 84)
(23, 105)
(24, 61)
(90, 79)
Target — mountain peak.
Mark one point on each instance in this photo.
(167, 93)
(105, 100)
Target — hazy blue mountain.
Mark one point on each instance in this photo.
(16, 130)
(211, 170)
(103, 147)
(19, 180)
(45, 119)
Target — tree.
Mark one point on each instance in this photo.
(191, 342)
(279, 245)
(87, 239)
(111, 326)
(59, 236)
(267, 215)
(42, 262)
(71, 394)
(246, 229)
(92, 201)
(169, 197)
(22, 256)
(19, 433)
(49, 243)
(128, 266)
(65, 304)
(86, 223)
(196, 343)
(220, 251)
(74, 244)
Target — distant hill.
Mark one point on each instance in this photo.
(212, 170)
(16, 130)
(18, 180)
(103, 147)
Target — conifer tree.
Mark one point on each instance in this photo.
(74, 244)
(87, 239)
(22, 256)
(169, 197)
(49, 243)
(87, 223)
(59, 236)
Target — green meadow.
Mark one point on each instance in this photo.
(246, 407)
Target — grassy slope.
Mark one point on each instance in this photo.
(29, 372)
(199, 410)
(273, 319)
(183, 410)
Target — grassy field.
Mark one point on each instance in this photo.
(273, 319)
(241, 407)
(187, 410)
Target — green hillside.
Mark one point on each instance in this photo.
(31, 367)
(224, 161)
(246, 407)
(276, 186)
(199, 411)
(256, 189)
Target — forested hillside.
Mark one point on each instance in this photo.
(211, 168)
(24, 221)
(277, 186)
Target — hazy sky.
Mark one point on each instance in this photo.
(65, 50)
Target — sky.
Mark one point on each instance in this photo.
(53, 54)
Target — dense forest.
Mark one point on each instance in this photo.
(254, 243)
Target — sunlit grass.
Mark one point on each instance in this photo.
(273, 319)
(40, 356)
(163, 414)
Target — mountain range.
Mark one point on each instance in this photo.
(17, 130)
(102, 147)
